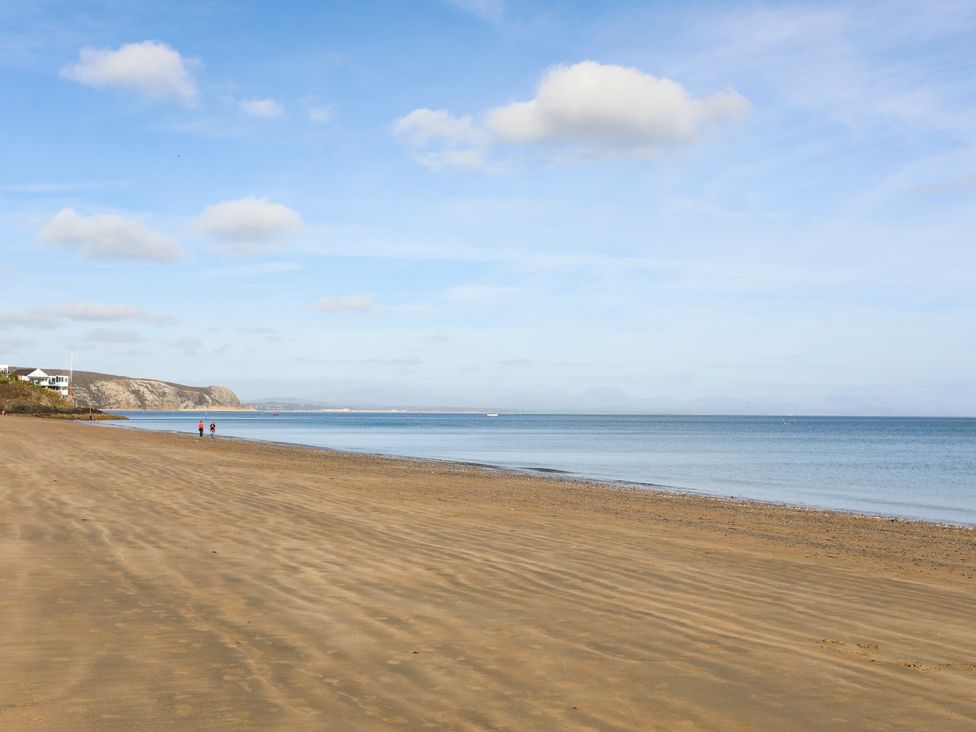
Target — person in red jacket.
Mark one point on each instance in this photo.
(200, 427)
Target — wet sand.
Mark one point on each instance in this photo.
(156, 581)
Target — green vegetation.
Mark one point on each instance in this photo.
(22, 397)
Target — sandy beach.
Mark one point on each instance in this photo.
(156, 581)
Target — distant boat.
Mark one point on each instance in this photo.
(491, 414)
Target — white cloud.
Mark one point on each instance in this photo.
(321, 115)
(108, 237)
(600, 108)
(84, 311)
(469, 159)
(351, 303)
(264, 108)
(423, 126)
(492, 10)
(249, 224)
(102, 312)
(151, 68)
(611, 108)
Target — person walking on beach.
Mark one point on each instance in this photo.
(213, 429)
(200, 427)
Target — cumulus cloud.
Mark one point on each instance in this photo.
(108, 237)
(599, 108)
(613, 108)
(249, 224)
(423, 126)
(351, 303)
(264, 108)
(150, 68)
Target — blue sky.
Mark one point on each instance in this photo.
(759, 207)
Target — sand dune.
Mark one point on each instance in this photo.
(170, 582)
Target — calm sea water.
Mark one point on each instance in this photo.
(921, 468)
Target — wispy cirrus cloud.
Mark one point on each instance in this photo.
(837, 61)
(99, 311)
(365, 305)
(79, 311)
(108, 237)
(150, 68)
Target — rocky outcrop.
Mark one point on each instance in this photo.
(105, 391)
(22, 397)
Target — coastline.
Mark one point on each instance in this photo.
(558, 474)
(201, 408)
(160, 580)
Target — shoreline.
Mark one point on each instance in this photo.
(556, 474)
(156, 582)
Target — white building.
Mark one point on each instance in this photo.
(60, 384)
(37, 377)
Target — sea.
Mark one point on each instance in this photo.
(913, 468)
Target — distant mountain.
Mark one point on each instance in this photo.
(594, 400)
(109, 391)
(288, 404)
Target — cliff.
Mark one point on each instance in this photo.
(106, 391)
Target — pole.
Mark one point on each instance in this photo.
(71, 377)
